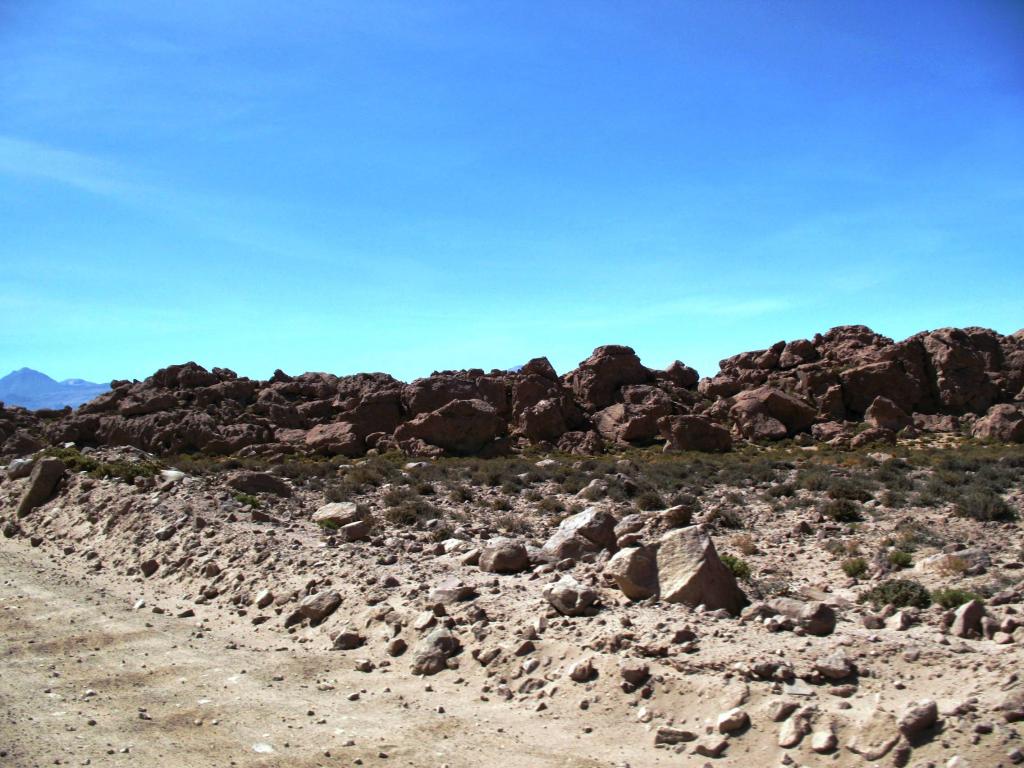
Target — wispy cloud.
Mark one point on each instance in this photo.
(19, 157)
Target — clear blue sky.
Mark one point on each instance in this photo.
(409, 186)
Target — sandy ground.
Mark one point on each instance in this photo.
(169, 695)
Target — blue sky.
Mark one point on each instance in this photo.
(410, 186)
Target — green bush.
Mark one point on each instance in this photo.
(900, 559)
(411, 511)
(984, 506)
(901, 593)
(855, 567)
(841, 510)
(953, 597)
(247, 498)
(121, 469)
(739, 568)
(649, 500)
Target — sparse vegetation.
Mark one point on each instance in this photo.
(953, 597)
(855, 567)
(739, 567)
(901, 593)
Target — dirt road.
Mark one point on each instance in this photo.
(88, 679)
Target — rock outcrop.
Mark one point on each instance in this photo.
(933, 381)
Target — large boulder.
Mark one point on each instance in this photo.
(635, 571)
(315, 607)
(459, 427)
(581, 443)
(690, 572)
(682, 375)
(504, 555)
(598, 378)
(42, 483)
(694, 433)
(433, 651)
(336, 439)
(883, 413)
(542, 421)
(591, 530)
(1003, 423)
(889, 378)
(259, 482)
(339, 514)
(766, 413)
(962, 380)
(814, 617)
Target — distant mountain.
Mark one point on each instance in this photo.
(35, 390)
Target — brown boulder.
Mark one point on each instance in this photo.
(504, 555)
(960, 369)
(1003, 423)
(581, 443)
(885, 414)
(598, 378)
(336, 439)
(797, 353)
(42, 483)
(460, 427)
(690, 572)
(539, 366)
(766, 413)
(814, 617)
(259, 482)
(635, 571)
(591, 530)
(863, 383)
(694, 433)
(542, 421)
(682, 375)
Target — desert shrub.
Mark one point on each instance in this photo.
(902, 593)
(779, 490)
(551, 505)
(984, 506)
(532, 495)
(649, 500)
(460, 494)
(512, 523)
(745, 543)
(725, 517)
(425, 489)
(395, 496)
(120, 469)
(813, 478)
(893, 499)
(501, 503)
(953, 566)
(853, 489)
(739, 568)
(912, 534)
(247, 498)
(841, 510)
(411, 511)
(574, 482)
(855, 567)
(302, 470)
(953, 597)
(899, 559)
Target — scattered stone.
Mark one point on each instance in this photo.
(569, 597)
(504, 555)
(735, 719)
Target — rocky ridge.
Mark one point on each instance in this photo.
(849, 386)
